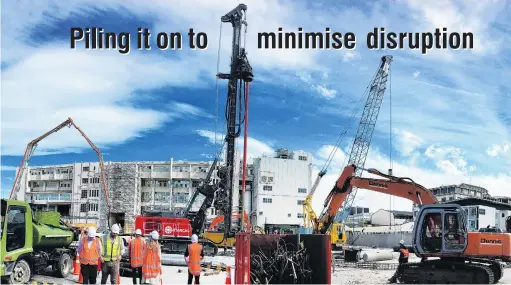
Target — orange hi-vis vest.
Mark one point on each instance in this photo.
(194, 251)
(151, 266)
(405, 252)
(137, 252)
(89, 254)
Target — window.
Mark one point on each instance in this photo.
(289, 215)
(146, 197)
(482, 212)
(94, 193)
(302, 190)
(300, 202)
(270, 179)
(84, 194)
(161, 183)
(267, 188)
(267, 200)
(301, 157)
(85, 168)
(263, 179)
(15, 228)
(85, 180)
(83, 208)
(195, 183)
(503, 215)
(93, 207)
(146, 183)
(95, 180)
(299, 215)
(444, 200)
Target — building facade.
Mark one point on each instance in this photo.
(281, 184)
(77, 192)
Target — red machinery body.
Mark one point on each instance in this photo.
(166, 227)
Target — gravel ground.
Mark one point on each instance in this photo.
(341, 275)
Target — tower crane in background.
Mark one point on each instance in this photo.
(358, 154)
(31, 147)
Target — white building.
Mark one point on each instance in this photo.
(385, 217)
(281, 184)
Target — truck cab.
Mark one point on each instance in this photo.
(29, 245)
(16, 239)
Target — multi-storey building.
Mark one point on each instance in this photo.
(76, 190)
(281, 184)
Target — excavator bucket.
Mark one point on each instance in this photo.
(311, 256)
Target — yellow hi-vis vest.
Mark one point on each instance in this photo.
(111, 251)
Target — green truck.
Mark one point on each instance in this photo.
(31, 242)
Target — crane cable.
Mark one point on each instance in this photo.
(342, 135)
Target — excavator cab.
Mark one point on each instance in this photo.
(440, 229)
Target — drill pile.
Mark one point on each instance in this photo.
(281, 265)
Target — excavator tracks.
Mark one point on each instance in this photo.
(450, 272)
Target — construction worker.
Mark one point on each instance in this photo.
(403, 258)
(151, 266)
(136, 254)
(89, 252)
(113, 248)
(194, 254)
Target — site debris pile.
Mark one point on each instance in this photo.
(283, 259)
(281, 265)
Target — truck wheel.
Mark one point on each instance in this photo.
(21, 273)
(64, 266)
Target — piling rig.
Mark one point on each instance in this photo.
(218, 194)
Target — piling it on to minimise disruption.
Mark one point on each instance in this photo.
(286, 259)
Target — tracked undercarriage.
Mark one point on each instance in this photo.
(473, 271)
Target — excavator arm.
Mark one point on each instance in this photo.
(392, 185)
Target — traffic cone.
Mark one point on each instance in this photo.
(118, 278)
(228, 277)
(76, 266)
(80, 279)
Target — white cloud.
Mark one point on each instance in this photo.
(350, 56)
(497, 149)
(8, 168)
(408, 141)
(416, 74)
(426, 177)
(325, 92)
(97, 96)
(255, 148)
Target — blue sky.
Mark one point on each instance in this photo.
(450, 108)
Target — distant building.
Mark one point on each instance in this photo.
(386, 218)
(482, 213)
(281, 184)
(358, 216)
(454, 192)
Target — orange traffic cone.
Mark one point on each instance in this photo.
(228, 277)
(118, 279)
(80, 279)
(76, 266)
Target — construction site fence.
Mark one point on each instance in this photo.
(379, 239)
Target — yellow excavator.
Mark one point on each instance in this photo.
(338, 236)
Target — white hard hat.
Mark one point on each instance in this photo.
(138, 232)
(155, 235)
(402, 242)
(115, 229)
(195, 238)
(91, 232)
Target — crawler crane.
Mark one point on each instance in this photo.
(374, 93)
(440, 231)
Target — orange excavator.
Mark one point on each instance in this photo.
(440, 233)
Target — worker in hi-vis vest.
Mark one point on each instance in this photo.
(136, 254)
(194, 254)
(89, 252)
(151, 266)
(113, 248)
